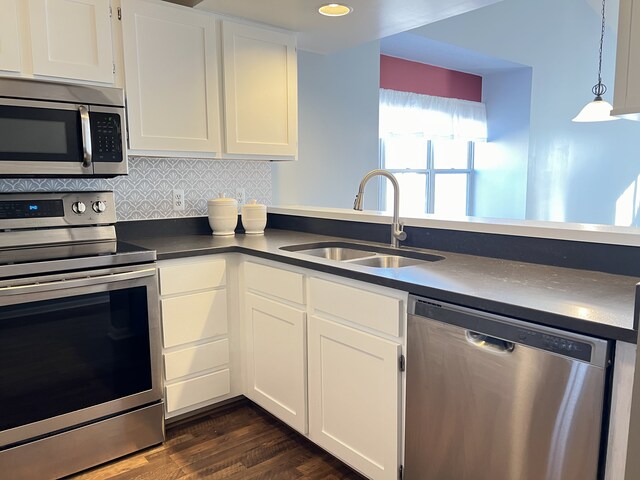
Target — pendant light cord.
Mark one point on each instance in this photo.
(599, 89)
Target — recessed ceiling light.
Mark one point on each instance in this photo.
(335, 10)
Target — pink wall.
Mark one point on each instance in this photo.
(407, 76)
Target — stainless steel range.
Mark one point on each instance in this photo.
(79, 337)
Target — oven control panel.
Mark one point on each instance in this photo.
(39, 210)
(31, 209)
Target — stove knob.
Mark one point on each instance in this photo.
(99, 206)
(78, 207)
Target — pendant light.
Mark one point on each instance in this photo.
(598, 110)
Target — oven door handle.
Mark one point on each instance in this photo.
(85, 124)
(75, 282)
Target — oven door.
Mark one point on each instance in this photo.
(49, 139)
(75, 348)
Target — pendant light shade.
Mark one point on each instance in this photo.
(598, 110)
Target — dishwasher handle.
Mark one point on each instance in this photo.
(493, 344)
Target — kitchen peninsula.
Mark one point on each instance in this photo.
(523, 278)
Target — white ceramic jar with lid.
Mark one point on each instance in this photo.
(223, 215)
(254, 217)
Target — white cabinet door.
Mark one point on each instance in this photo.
(9, 36)
(276, 359)
(171, 78)
(260, 91)
(626, 101)
(354, 397)
(71, 39)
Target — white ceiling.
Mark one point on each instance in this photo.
(370, 19)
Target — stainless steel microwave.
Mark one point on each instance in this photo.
(52, 129)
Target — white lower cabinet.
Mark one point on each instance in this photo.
(276, 359)
(354, 397)
(319, 352)
(328, 350)
(185, 394)
(193, 304)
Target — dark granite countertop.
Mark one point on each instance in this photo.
(583, 301)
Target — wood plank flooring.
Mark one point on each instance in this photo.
(239, 441)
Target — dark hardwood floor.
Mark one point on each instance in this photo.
(238, 441)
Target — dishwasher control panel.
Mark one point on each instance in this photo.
(554, 343)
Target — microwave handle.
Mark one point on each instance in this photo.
(86, 135)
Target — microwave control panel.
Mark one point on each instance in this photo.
(106, 137)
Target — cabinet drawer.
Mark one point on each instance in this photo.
(196, 359)
(192, 276)
(274, 281)
(197, 390)
(369, 309)
(194, 317)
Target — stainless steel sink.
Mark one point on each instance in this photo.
(365, 255)
(388, 261)
(340, 254)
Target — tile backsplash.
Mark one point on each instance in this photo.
(146, 192)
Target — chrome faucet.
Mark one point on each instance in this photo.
(397, 233)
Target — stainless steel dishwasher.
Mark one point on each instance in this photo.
(490, 397)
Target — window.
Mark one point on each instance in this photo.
(435, 175)
(428, 144)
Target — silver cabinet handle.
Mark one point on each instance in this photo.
(86, 135)
(75, 282)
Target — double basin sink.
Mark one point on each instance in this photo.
(366, 255)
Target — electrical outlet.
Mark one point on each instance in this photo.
(240, 196)
(178, 199)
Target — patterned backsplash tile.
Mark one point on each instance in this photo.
(146, 192)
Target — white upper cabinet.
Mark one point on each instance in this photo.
(9, 36)
(71, 39)
(260, 91)
(626, 100)
(171, 78)
(189, 96)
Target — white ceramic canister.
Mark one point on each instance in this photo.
(223, 215)
(254, 217)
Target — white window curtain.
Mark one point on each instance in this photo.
(405, 113)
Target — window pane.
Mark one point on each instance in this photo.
(405, 151)
(450, 194)
(450, 153)
(413, 190)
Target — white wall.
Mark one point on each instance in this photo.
(577, 172)
(338, 130)
(500, 184)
